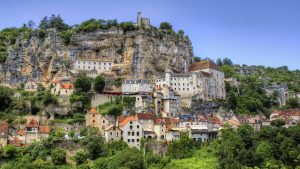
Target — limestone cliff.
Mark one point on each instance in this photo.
(142, 53)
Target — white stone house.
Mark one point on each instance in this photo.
(132, 131)
(93, 65)
(134, 86)
(112, 133)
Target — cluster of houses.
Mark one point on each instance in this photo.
(132, 129)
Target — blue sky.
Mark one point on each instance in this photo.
(260, 32)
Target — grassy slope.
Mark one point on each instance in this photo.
(201, 160)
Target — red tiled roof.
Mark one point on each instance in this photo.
(21, 132)
(234, 122)
(3, 129)
(288, 112)
(56, 81)
(146, 116)
(67, 86)
(15, 142)
(163, 120)
(32, 123)
(45, 129)
(126, 120)
(203, 65)
(93, 111)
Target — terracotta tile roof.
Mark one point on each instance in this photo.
(32, 123)
(21, 132)
(163, 120)
(126, 120)
(146, 116)
(56, 81)
(3, 130)
(203, 65)
(288, 112)
(45, 129)
(112, 127)
(93, 111)
(67, 86)
(15, 142)
(236, 123)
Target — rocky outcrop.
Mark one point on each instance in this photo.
(142, 53)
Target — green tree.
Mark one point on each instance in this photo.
(80, 157)
(293, 103)
(130, 158)
(58, 156)
(165, 26)
(278, 123)
(10, 151)
(5, 97)
(94, 146)
(83, 84)
(99, 84)
(182, 148)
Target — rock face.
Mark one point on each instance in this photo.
(138, 54)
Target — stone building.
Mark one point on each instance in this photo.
(112, 133)
(92, 67)
(142, 22)
(61, 89)
(97, 120)
(169, 100)
(203, 81)
(134, 86)
(132, 131)
(282, 91)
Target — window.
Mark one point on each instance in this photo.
(132, 140)
(130, 122)
(128, 133)
(138, 126)
(93, 115)
(137, 140)
(132, 133)
(93, 121)
(103, 121)
(110, 133)
(138, 133)
(130, 127)
(109, 63)
(128, 140)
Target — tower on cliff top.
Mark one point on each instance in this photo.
(142, 22)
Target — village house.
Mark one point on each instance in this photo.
(112, 133)
(201, 133)
(92, 66)
(97, 120)
(282, 91)
(3, 134)
(32, 132)
(135, 86)
(203, 81)
(146, 120)
(170, 101)
(61, 89)
(174, 133)
(290, 116)
(31, 85)
(132, 131)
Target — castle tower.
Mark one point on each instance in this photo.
(139, 19)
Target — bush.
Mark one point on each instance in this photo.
(58, 156)
(99, 84)
(80, 157)
(165, 26)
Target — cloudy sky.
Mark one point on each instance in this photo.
(260, 32)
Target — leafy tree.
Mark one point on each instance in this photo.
(31, 24)
(127, 26)
(49, 98)
(181, 33)
(5, 97)
(165, 26)
(219, 62)
(293, 103)
(278, 123)
(197, 59)
(83, 83)
(99, 84)
(130, 158)
(227, 61)
(58, 156)
(80, 157)
(94, 146)
(182, 148)
(10, 151)
(44, 24)
(118, 82)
